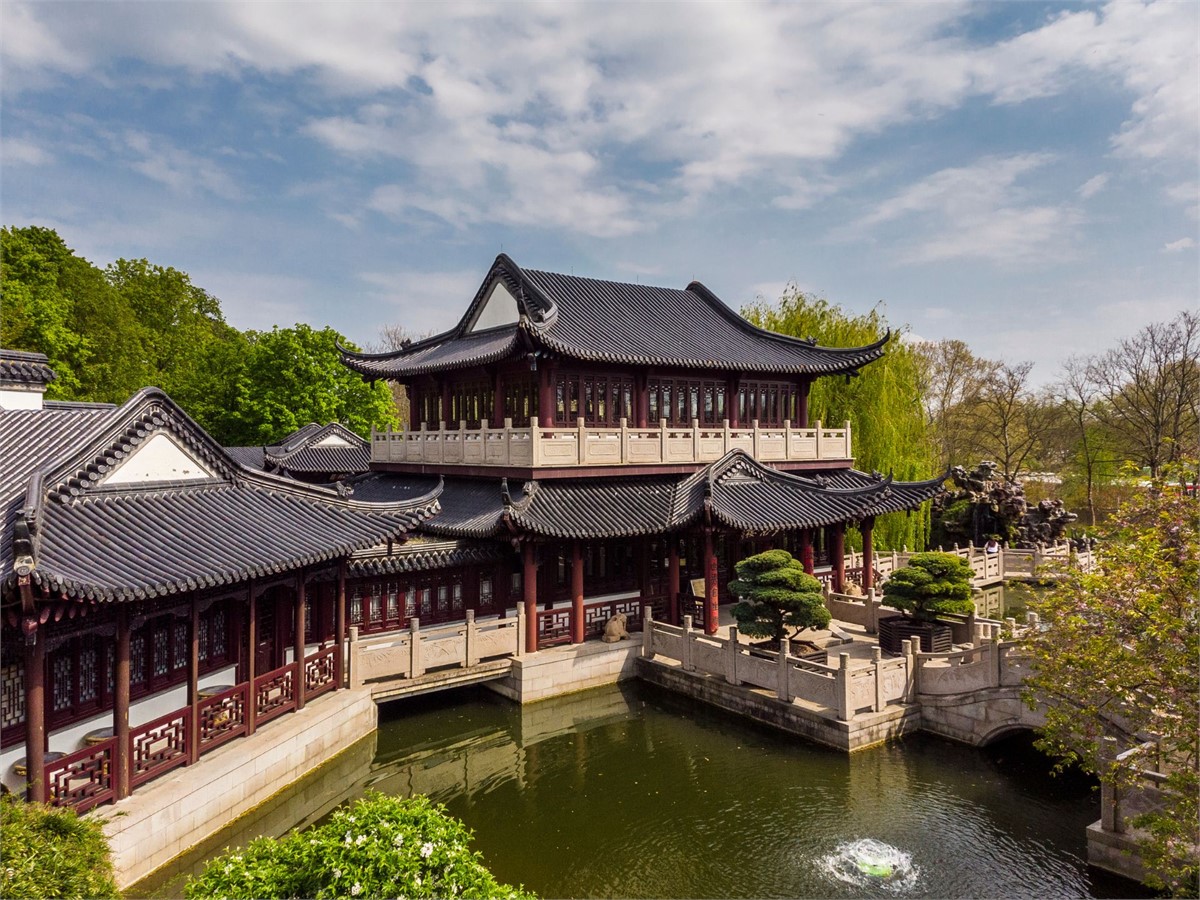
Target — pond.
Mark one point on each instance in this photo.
(632, 792)
(1012, 598)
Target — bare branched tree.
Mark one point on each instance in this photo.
(1150, 388)
(1077, 398)
(952, 380)
(391, 338)
(1007, 422)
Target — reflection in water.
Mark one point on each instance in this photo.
(633, 792)
(1003, 600)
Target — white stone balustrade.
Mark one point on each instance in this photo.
(538, 446)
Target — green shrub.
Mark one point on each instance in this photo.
(380, 847)
(932, 584)
(51, 852)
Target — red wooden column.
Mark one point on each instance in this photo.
(868, 556)
(497, 401)
(643, 564)
(732, 412)
(252, 662)
(545, 381)
(576, 593)
(193, 700)
(837, 555)
(710, 584)
(802, 412)
(339, 626)
(673, 580)
(806, 550)
(35, 710)
(121, 703)
(641, 397)
(529, 587)
(299, 642)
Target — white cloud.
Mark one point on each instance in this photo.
(422, 301)
(1182, 244)
(181, 171)
(1094, 185)
(538, 114)
(976, 212)
(15, 151)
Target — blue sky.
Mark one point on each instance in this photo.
(1022, 176)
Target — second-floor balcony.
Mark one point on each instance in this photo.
(540, 447)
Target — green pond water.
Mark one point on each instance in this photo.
(632, 792)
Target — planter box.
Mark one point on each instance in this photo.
(935, 636)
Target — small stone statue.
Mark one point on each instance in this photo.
(615, 629)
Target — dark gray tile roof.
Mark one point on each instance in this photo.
(25, 367)
(421, 554)
(735, 491)
(128, 541)
(614, 322)
(299, 453)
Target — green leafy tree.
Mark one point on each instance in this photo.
(883, 402)
(51, 852)
(1120, 657)
(932, 584)
(293, 376)
(380, 847)
(776, 594)
(55, 302)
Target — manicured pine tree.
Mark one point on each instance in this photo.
(932, 584)
(777, 594)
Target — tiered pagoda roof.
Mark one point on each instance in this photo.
(736, 492)
(594, 320)
(88, 512)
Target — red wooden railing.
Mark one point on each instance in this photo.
(320, 670)
(223, 716)
(82, 779)
(275, 693)
(159, 746)
(554, 625)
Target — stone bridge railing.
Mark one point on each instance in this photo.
(852, 686)
(842, 689)
(990, 568)
(411, 653)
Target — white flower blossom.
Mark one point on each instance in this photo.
(426, 849)
(417, 880)
(337, 873)
(355, 889)
(360, 840)
(398, 840)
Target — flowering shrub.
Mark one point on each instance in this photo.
(52, 852)
(380, 847)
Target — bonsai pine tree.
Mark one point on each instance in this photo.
(776, 594)
(930, 585)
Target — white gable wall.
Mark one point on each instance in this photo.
(160, 458)
(332, 440)
(18, 398)
(500, 308)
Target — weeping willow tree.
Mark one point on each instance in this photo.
(882, 403)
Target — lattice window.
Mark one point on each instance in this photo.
(203, 641)
(308, 618)
(375, 609)
(393, 601)
(161, 663)
(88, 676)
(12, 695)
(219, 639)
(485, 591)
(456, 597)
(410, 603)
(443, 594)
(61, 682)
(356, 607)
(137, 658)
(181, 644)
(426, 602)
(110, 666)
(516, 582)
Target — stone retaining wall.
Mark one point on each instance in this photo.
(169, 816)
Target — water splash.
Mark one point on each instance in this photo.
(871, 863)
